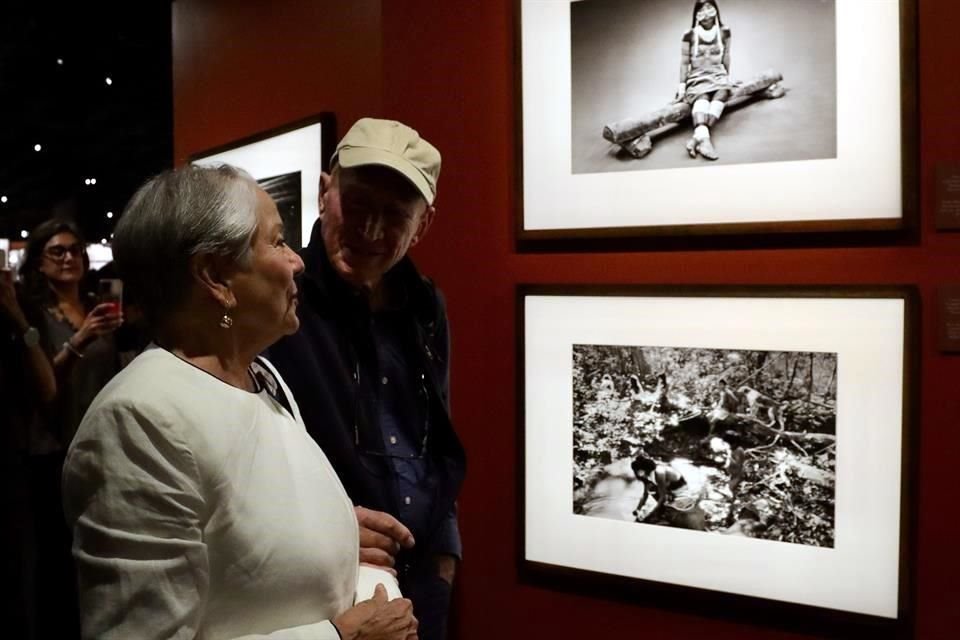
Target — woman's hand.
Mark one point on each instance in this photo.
(103, 320)
(378, 619)
(681, 92)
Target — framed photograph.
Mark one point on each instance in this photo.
(287, 162)
(705, 118)
(743, 447)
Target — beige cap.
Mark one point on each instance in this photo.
(395, 145)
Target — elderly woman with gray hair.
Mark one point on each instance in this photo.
(200, 506)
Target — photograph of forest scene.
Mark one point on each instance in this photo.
(736, 442)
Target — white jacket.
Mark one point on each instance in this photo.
(202, 510)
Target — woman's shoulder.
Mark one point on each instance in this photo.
(145, 385)
(725, 32)
(152, 389)
(687, 36)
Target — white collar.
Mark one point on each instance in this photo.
(706, 35)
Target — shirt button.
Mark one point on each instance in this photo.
(393, 439)
(384, 380)
(407, 500)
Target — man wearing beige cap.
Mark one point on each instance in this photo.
(370, 364)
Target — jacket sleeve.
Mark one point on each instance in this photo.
(133, 497)
(441, 345)
(447, 540)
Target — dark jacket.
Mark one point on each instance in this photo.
(321, 363)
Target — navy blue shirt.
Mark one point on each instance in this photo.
(403, 414)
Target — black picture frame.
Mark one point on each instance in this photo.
(286, 161)
(574, 574)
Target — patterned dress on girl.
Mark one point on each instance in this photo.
(707, 73)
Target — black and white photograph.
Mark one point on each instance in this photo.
(734, 442)
(745, 441)
(716, 121)
(285, 191)
(286, 162)
(675, 83)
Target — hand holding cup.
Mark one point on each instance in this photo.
(111, 293)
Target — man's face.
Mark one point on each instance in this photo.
(371, 217)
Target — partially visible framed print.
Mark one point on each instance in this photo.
(286, 161)
(717, 118)
(747, 447)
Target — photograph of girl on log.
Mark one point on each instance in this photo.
(770, 96)
(729, 441)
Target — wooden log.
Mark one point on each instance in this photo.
(626, 130)
(819, 438)
(638, 147)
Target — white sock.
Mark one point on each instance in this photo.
(701, 132)
(716, 109)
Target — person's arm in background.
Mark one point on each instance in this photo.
(100, 321)
(38, 366)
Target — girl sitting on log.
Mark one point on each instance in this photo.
(705, 74)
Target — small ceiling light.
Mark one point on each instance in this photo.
(60, 61)
(3, 199)
(23, 233)
(109, 214)
(37, 147)
(87, 182)
(109, 81)
(103, 241)
(93, 181)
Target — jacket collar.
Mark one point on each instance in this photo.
(333, 292)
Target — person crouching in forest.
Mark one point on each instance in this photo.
(677, 502)
(705, 75)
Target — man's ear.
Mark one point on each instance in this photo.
(212, 274)
(326, 182)
(425, 221)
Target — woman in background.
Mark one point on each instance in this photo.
(200, 505)
(76, 334)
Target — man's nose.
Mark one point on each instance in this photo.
(373, 226)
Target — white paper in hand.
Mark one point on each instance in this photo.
(367, 580)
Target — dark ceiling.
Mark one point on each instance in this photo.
(54, 63)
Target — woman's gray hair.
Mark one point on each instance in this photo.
(176, 215)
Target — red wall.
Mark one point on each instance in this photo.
(447, 68)
(243, 66)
